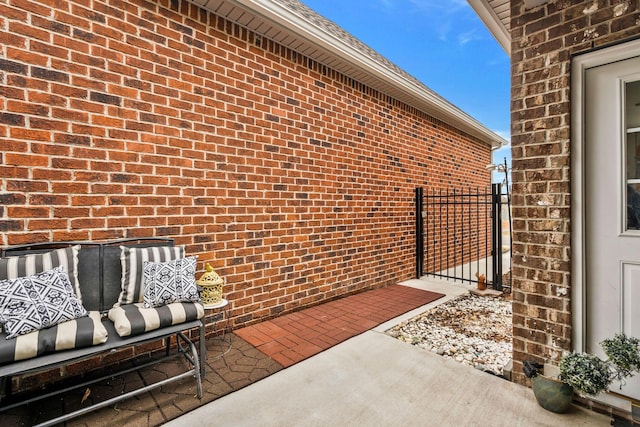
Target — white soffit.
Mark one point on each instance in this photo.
(292, 24)
(496, 15)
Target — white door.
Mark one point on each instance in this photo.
(612, 202)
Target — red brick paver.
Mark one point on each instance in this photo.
(294, 337)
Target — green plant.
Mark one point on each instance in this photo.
(588, 374)
(623, 354)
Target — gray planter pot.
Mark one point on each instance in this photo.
(551, 394)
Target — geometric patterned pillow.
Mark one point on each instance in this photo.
(132, 261)
(13, 267)
(36, 302)
(167, 282)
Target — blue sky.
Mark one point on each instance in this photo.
(443, 43)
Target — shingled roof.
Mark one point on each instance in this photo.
(294, 25)
(341, 34)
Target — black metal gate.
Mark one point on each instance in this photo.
(459, 231)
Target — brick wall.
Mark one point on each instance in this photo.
(156, 118)
(543, 40)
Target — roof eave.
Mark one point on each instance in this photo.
(488, 15)
(414, 94)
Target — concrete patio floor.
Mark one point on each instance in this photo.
(375, 380)
(370, 379)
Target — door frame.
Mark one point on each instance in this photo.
(579, 66)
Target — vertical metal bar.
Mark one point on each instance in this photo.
(435, 221)
(429, 248)
(431, 245)
(448, 252)
(478, 230)
(427, 243)
(5, 385)
(470, 225)
(440, 228)
(496, 193)
(419, 235)
(469, 231)
(203, 349)
(455, 236)
(462, 233)
(487, 229)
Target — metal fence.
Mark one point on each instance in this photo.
(459, 234)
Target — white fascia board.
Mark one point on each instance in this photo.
(493, 23)
(424, 99)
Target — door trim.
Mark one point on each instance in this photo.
(579, 66)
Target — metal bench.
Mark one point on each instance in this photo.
(99, 274)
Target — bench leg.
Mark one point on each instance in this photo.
(5, 387)
(203, 350)
(191, 353)
(167, 346)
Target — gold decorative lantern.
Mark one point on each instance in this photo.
(211, 285)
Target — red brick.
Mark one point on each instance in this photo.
(24, 159)
(298, 185)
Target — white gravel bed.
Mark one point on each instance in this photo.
(470, 329)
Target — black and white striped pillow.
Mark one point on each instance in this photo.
(14, 267)
(83, 332)
(132, 260)
(134, 319)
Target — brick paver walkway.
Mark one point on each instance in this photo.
(293, 337)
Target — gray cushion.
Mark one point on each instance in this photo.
(83, 332)
(134, 319)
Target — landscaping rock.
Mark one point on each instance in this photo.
(473, 330)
